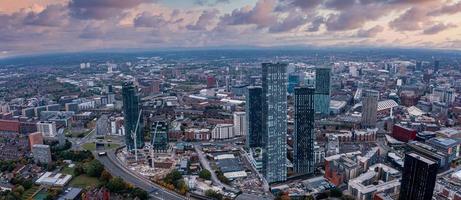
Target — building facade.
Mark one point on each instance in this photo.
(303, 148)
(369, 108)
(240, 123)
(274, 82)
(159, 133)
(322, 90)
(254, 116)
(418, 177)
(48, 129)
(41, 153)
(131, 109)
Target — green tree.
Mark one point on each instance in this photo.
(213, 194)
(205, 174)
(336, 193)
(116, 185)
(79, 169)
(94, 168)
(105, 176)
(140, 193)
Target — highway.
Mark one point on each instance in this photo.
(116, 168)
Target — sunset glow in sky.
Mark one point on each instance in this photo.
(41, 26)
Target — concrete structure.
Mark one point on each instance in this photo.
(222, 131)
(274, 83)
(240, 125)
(47, 128)
(303, 147)
(54, 179)
(369, 108)
(387, 180)
(41, 153)
(35, 138)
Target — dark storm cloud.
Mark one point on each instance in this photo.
(101, 9)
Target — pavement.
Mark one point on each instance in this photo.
(116, 168)
(204, 162)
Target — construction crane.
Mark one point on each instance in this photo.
(134, 137)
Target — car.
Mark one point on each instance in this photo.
(102, 153)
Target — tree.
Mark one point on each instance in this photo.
(140, 193)
(116, 185)
(336, 193)
(213, 194)
(78, 170)
(94, 168)
(105, 176)
(205, 174)
(173, 177)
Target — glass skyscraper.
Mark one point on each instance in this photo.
(254, 116)
(131, 109)
(159, 133)
(322, 90)
(303, 148)
(274, 82)
(418, 177)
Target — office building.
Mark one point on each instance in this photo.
(239, 123)
(274, 82)
(322, 90)
(222, 131)
(47, 128)
(159, 133)
(71, 106)
(418, 177)
(369, 108)
(303, 148)
(131, 109)
(41, 153)
(254, 116)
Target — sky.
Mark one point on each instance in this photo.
(48, 26)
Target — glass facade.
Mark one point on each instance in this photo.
(254, 101)
(159, 133)
(418, 178)
(131, 111)
(303, 148)
(322, 90)
(274, 81)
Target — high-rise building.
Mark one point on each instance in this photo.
(131, 109)
(274, 82)
(35, 138)
(159, 133)
(303, 148)
(254, 116)
(418, 177)
(369, 108)
(322, 90)
(48, 129)
(436, 66)
(239, 123)
(418, 66)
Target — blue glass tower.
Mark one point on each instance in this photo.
(254, 116)
(322, 90)
(303, 148)
(131, 111)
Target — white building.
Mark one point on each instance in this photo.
(239, 123)
(387, 179)
(48, 129)
(52, 179)
(223, 131)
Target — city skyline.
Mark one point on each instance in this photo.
(77, 25)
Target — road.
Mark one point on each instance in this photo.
(116, 168)
(207, 166)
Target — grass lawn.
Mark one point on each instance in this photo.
(84, 181)
(91, 146)
(68, 170)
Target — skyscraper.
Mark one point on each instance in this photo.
(239, 123)
(131, 111)
(159, 133)
(436, 66)
(274, 82)
(418, 178)
(369, 108)
(303, 148)
(322, 90)
(253, 107)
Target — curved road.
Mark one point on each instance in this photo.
(116, 168)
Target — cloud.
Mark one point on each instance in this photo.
(315, 24)
(372, 32)
(292, 21)
(447, 10)
(437, 28)
(261, 15)
(206, 19)
(411, 20)
(102, 9)
(303, 4)
(355, 17)
(146, 19)
(52, 15)
(211, 2)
